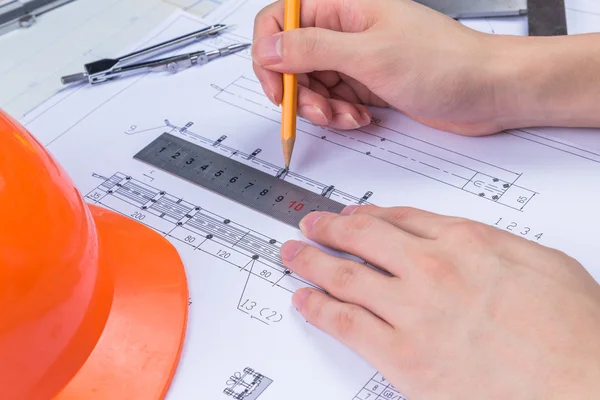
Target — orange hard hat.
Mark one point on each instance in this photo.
(93, 305)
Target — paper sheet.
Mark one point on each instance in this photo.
(62, 41)
(583, 16)
(39, 56)
(243, 331)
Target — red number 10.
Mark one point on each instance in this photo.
(296, 206)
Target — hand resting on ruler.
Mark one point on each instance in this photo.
(467, 311)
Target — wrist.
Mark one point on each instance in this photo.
(546, 81)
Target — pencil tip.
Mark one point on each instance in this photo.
(288, 146)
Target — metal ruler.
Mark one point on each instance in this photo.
(547, 18)
(268, 194)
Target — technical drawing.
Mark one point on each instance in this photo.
(249, 251)
(378, 388)
(396, 148)
(252, 299)
(251, 159)
(248, 385)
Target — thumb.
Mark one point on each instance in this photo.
(307, 49)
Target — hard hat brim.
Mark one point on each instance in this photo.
(137, 354)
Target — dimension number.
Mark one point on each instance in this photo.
(263, 313)
(519, 229)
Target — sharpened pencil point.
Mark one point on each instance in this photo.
(288, 147)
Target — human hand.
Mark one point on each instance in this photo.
(384, 53)
(467, 311)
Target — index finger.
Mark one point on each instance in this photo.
(369, 238)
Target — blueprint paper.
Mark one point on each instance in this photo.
(63, 40)
(245, 341)
(39, 56)
(583, 16)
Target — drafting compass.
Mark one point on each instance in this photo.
(109, 68)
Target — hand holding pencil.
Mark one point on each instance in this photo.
(349, 55)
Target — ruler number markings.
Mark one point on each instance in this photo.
(239, 182)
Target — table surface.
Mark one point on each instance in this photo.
(85, 30)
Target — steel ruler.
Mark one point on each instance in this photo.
(267, 194)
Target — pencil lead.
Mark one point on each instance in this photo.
(288, 146)
(282, 173)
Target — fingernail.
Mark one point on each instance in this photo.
(268, 49)
(307, 223)
(268, 92)
(271, 95)
(299, 298)
(290, 249)
(349, 119)
(349, 210)
(366, 117)
(314, 114)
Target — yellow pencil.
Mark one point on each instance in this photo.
(291, 20)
